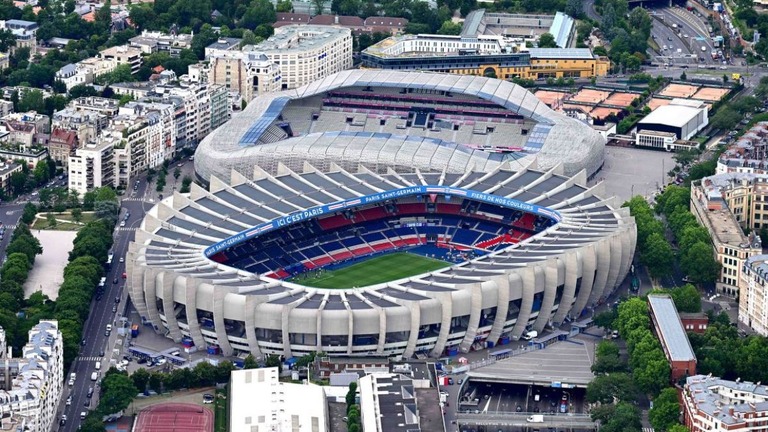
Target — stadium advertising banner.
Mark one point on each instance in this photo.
(375, 198)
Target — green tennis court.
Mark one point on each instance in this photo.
(376, 270)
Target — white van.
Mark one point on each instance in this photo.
(98, 365)
(94, 376)
(531, 335)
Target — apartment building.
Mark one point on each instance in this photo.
(85, 71)
(749, 154)
(6, 170)
(156, 130)
(388, 403)
(87, 125)
(62, 145)
(123, 55)
(25, 33)
(192, 106)
(94, 104)
(223, 44)
(753, 295)
(245, 75)
(711, 404)
(92, 166)
(308, 53)
(720, 205)
(31, 384)
(221, 109)
(150, 42)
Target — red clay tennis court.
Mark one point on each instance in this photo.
(175, 417)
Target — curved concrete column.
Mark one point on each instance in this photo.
(350, 328)
(550, 283)
(613, 274)
(191, 305)
(136, 287)
(250, 326)
(571, 270)
(285, 318)
(588, 265)
(413, 336)
(446, 308)
(528, 279)
(150, 291)
(603, 249)
(219, 294)
(502, 308)
(476, 299)
(170, 314)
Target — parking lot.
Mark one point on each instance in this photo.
(483, 397)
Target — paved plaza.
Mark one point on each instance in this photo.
(48, 271)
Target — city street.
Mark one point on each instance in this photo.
(137, 203)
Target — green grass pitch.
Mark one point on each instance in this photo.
(376, 270)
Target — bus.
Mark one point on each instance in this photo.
(109, 260)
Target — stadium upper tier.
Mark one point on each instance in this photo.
(383, 119)
(212, 265)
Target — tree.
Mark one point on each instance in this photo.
(449, 28)
(92, 423)
(28, 214)
(140, 379)
(683, 76)
(117, 392)
(699, 263)
(726, 118)
(658, 255)
(250, 362)
(284, 6)
(608, 388)
(32, 100)
(622, 417)
(121, 73)
(260, 12)
(607, 358)
(351, 397)
(546, 40)
(77, 214)
(574, 8)
(185, 184)
(665, 411)
(156, 381)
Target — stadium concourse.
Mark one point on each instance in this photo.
(402, 120)
(520, 248)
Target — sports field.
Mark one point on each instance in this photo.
(373, 271)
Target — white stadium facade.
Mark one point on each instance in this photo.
(526, 246)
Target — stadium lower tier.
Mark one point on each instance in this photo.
(345, 237)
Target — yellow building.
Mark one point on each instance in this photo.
(486, 55)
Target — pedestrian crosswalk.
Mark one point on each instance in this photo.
(648, 430)
(126, 228)
(89, 359)
(10, 227)
(135, 199)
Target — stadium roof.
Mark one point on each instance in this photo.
(671, 328)
(671, 115)
(561, 29)
(555, 139)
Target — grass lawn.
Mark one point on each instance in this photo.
(373, 271)
(64, 221)
(221, 412)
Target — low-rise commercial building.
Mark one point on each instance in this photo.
(670, 127)
(717, 202)
(711, 404)
(31, 384)
(388, 403)
(520, 27)
(671, 333)
(259, 401)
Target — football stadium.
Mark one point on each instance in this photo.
(360, 262)
(399, 120)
